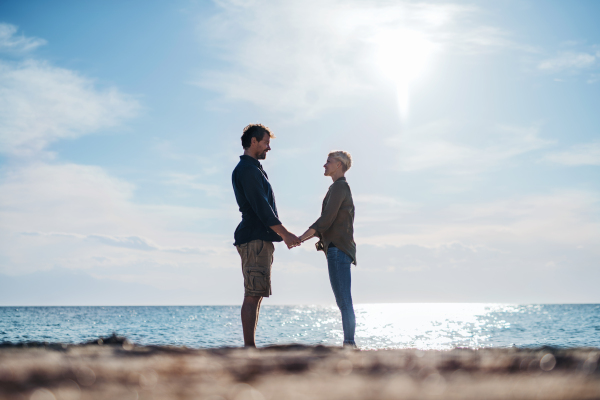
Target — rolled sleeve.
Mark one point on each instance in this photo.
(251, 181)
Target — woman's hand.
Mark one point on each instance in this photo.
(308, 234)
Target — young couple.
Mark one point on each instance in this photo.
(260, 227)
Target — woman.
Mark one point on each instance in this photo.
(335, 229)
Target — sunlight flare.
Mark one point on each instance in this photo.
(402, 55)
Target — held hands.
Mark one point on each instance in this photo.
(291, 240)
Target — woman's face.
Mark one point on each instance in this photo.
(331, 166)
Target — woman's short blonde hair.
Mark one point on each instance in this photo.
(342, 156)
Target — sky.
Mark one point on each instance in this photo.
(474, 129)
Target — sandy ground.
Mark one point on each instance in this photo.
(123, 371)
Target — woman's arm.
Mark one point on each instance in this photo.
(308, 234)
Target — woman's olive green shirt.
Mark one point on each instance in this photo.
(336, 224)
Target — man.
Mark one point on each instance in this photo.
(260, 225)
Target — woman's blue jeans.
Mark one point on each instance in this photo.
(339, 276)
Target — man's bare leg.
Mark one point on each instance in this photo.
(257, 313)
(250, 311)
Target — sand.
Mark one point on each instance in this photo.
(118, 369)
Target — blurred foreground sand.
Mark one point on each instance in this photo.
(123, 371)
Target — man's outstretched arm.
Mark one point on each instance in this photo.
(289, 238)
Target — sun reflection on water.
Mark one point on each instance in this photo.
(379, 326)
(426, 326)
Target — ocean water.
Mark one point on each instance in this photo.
(379, 326)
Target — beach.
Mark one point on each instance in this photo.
(115, 368)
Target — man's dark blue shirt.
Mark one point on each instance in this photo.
(256, 199)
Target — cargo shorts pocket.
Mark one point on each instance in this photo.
(264, 254)
(256, 279)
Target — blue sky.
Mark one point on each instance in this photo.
(473, 127)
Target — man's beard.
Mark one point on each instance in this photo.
(262, 155)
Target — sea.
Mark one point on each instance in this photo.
(378, 326)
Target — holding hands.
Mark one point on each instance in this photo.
(292, 240)
(289, 238)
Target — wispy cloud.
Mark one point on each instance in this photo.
(195, 182)
(568, 61)
(9, 41)
(129, 242)
(579, 154)
(594, 78)
(544, 220)
(579, 60)
(40, 104)
(379, 209)
(441, 145)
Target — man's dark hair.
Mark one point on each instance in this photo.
(257, 131)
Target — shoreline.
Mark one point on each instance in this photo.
(119, 369)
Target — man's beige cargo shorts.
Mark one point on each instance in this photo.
(257, 259)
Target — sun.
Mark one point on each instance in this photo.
(402, 56)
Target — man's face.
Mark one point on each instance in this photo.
(331, 166)
(263, 146)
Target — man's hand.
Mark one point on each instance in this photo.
(291, 240)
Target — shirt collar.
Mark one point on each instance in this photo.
(343, 178)
(250, 159)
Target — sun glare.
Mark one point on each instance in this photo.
(402, 56)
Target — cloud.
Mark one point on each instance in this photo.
(442, 145)
(129, 242)
(195, 182)
(527, 248)
(40, 104)
(568, 61)
(62, 287)
(431, 249)
(485, 39)
(580, 154)
(56, 214)
(562, 218)
(79, 217)
(302, 58)
(381, 208)
(503, 241)
(10, 42)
